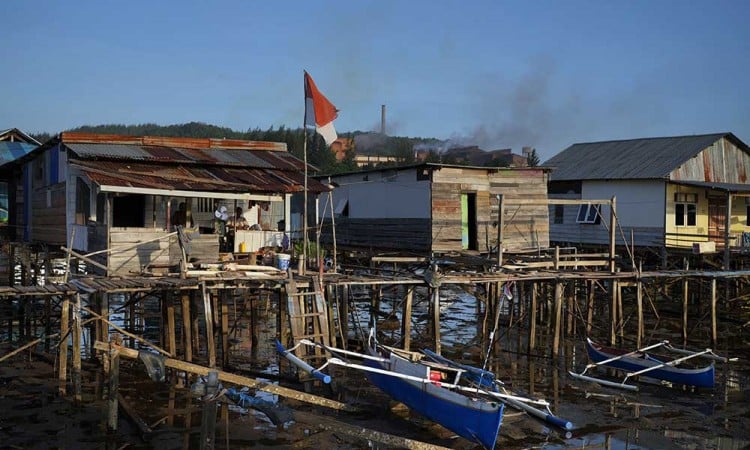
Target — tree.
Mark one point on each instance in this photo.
(533, 159)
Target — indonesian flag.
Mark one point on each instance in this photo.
(319, 112)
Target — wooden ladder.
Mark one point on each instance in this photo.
(308, 319)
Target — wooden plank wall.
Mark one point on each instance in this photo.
(48, 216)
(135, 260)
(525, 227)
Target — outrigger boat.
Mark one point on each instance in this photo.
(641, 363)
(464, 399)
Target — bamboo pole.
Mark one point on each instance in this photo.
(713, 312)
(532, 316)
(114, 385)
(639, 301)
(436, 319)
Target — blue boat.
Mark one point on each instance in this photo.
(652, 367)
(426, 387)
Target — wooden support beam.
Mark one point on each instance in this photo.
(224, 333)
(62, 367)
(612, 232)
(114, 384)
(238, 380)
(713, 312)
(532, 316)
(76, 335)
(558, 319)
(685, 296)
(436, 319)
(209, 318)
(406, 318)
(639, 301)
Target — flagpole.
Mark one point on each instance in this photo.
(303, 266)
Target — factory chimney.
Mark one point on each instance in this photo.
(382, 119)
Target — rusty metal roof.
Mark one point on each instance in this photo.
(219, 165)
(650, 158)
(193, 178)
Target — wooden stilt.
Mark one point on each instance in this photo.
(62, 368)
(713, 312)
(171, 328)
(436, 319)
(532, 316)
(224, 334)
(114, 385)
(639, 301)
(406, 318)
(558, 319)
(76, 335)
(614, 290)
(685, 296)
(209, 318)
(344, 315)
(589, 306)
(187, 339)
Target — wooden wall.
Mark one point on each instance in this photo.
(48, 215)
(524, 227)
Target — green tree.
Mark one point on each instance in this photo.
(533, 159)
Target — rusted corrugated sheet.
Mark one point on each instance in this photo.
(185, 177)
(722, 162)
(73, 137)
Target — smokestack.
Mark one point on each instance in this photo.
(382, 119)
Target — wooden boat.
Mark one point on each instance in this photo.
(464, 399)
(640, 362)
(430, 388)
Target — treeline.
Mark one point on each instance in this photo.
(318, 154)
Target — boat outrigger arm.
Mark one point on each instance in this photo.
(518, 402)
(707, 353)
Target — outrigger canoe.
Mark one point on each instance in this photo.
(472, 417)
(640, 362)
(464, 399)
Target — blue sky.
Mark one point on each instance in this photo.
(499, 74)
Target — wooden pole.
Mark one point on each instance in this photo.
(639, 301)
(114, 385)
(685, 297)
(224, 333)
(406, 318)
(558, 319)
(209, 318)
(590, 306)
(76, 332)
(532, 316)
(614, 290)
(171, 329)
(208, 422)
(62, 368)
(436, 318)
(499, 230)
(713, 312)
(727, 226)
(238, 380)
(187, 339)
(612, 228)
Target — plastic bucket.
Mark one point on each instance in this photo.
(282, 261)
(243, 247)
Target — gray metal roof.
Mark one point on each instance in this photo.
(648, 158)
(727, 187)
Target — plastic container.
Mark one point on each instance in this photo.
(243, 247)
(282, 261)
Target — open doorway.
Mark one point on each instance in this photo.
(128, 211)
(469, 221)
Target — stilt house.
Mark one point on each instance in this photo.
(116, 196)
(438, 208)
(684, 192)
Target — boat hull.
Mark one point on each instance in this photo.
(702, 377)
(476, 420)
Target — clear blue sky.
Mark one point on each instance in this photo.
(499, 74)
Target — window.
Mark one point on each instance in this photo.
(559, 210)
(685, 209)
(589, 214)
(747, 215)
(205, 205)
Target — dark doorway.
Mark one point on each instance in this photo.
(128, 211)
(469, 221)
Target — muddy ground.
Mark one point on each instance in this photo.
(34, 416)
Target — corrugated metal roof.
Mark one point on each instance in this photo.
(728, 187)
(197, 178)
(10, 151)
(648, 158)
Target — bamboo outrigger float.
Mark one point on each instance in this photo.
(640, 362)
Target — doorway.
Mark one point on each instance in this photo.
(469, 221)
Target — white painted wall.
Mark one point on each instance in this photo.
(385, 194)
(640, 203)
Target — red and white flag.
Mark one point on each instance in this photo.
(319, 112)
